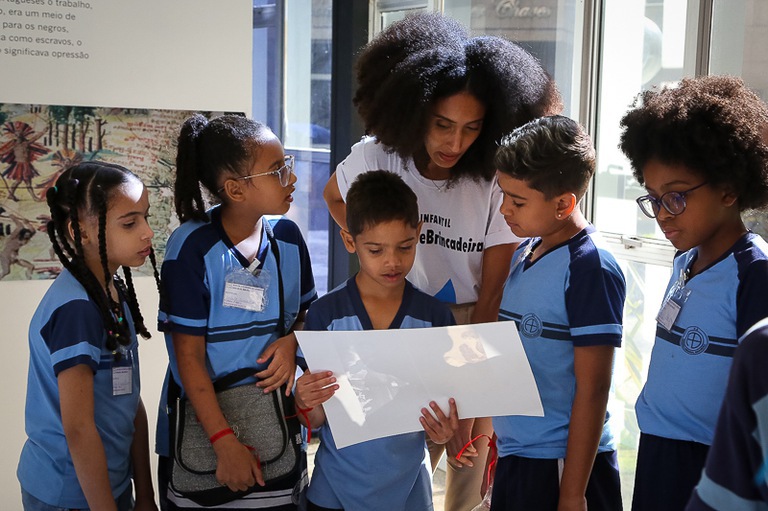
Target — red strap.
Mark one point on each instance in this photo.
(224, 432)
(304, 412)
(493, 453)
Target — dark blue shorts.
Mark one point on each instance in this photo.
(523, 484)
(667, 472)
(314, 507)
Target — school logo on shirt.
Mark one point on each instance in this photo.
(530, 325)
(694, 341)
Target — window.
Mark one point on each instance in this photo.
(291, 82)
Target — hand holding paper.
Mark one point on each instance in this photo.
(440, 428)
(385, 377)
(314, 389)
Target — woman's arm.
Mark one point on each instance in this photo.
(496, 263)
(142, 473)
(336, 205)
(83, 440)
(593, 366)
(236, 466)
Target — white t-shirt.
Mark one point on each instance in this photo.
(460, 221)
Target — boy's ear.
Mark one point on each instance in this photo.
(418, 227)
(349, 241)
(566, 203)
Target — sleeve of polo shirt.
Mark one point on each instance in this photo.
(74, 335)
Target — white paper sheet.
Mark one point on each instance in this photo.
(387, 376)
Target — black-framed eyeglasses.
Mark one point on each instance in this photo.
(283, 173)
(673, 202)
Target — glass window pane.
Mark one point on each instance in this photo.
(645, 44)
(306, 111)
(739, 39)
(645, 288)
(551, 30)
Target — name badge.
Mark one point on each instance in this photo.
(668, 314)
(243, 296)
(673, 303)
(122, 380)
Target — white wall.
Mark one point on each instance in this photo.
(18, 300)
(166, 44)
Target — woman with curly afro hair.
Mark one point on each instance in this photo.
(435, 103)
(700, 151)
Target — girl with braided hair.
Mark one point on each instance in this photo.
(215, 263)
(436, 102)
(85, 421)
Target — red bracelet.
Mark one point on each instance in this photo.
(224, 432)
(304, 413)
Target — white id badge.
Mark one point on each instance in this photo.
(246, 289)
(122, 380)
(242, 296)
(668, 314)
(673, 303)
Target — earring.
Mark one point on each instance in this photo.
(559, 215)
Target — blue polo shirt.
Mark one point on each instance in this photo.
(387, 473)
(199, 260)
(689, 365)
(570, 297)
(67, 330)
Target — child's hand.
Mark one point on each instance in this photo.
(282, 368)
(237, 467)
(314, 389)
(457, 443)
(439, 427)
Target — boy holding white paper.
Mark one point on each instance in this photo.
(566, 294)
(393, 472)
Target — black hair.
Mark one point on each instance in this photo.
(553, 155)
(87, 189)
(210, 151)
(426, 57)
(379, 196)
(713, 125)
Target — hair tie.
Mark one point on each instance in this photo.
(55, 189)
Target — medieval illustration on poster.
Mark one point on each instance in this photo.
(39, 142)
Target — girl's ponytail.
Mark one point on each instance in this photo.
(209, 152)
(187, 196)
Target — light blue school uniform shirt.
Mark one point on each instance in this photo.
(67, 330)
(570, 297)
(689, 365)
(385, 474)
(199, 258)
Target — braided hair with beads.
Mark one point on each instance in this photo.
(85, 189)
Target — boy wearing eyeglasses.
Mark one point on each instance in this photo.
(699, 150)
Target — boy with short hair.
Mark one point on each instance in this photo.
(393, 472)
(566, 294)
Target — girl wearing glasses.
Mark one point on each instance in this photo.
(435, 103)
(216, 262)
(699, 151)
